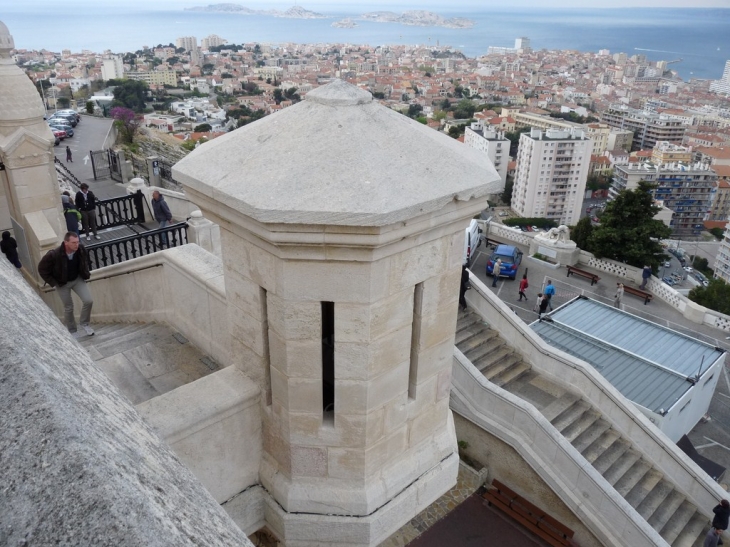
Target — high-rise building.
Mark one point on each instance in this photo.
(112, 68)
(552, 169)
(188, 43)
(522, 44)
(649, 127)
(722, 260)
(491, 142)
(686, 189)
(212, 41)
(723, 84)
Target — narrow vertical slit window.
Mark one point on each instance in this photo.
(328, 359)
(415, 339)
(263, 294)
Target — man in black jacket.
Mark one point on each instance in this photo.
(86, 204)
(67, 268)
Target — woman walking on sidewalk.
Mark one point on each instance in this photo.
(523, 286)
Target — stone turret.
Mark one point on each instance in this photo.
(29, 197)
(342, 229)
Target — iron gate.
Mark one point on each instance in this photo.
(105, 163)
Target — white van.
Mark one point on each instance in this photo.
(472, 240)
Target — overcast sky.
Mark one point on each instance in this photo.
(395, 5)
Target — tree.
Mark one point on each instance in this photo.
(414, 110)
(507, 193)
(581, 233)
(719, 233)
(130, 94)
(202, 128)
(628, 231)
(63, 102)
(127, 122)
(464, 109)
(715, 296)
(278, 95)
(89, 107)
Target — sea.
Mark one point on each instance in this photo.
(697, 40)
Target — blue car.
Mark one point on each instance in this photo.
(511, 258)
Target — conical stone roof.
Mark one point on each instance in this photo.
(340, 158)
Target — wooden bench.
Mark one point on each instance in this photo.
(647, 296)
(577, 271)
(493, 242)
(532, 518)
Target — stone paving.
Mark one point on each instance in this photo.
(467, 482)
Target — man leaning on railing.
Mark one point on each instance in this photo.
(162, 213)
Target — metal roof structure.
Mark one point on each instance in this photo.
(651, 365)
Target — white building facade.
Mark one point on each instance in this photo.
(112, 68)
(552, 169)
(491, 142)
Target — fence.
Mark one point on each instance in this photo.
(65, 173)
(105, 163)
(120, 211)
(106, 253)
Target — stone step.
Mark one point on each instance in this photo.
(591, 434)
(611, 455)
(581, 425)
(486, 348)
(656, 498)
(494, 363)
(645, 487)
(573, 413)
(469, 331)
(631, 477)
(126, 338)
(556, 408)
(693, 532)
(600, 445)
(666, 510)
(512, 373)
(680, 518)
(464, 319)
(483, 338)
(109, 332)
(621, 466)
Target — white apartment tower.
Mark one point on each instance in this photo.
(112, 68)
(212, 41)
(522, 44)
(552, 169)
(188, 43)
(493, 143)
(723, 84)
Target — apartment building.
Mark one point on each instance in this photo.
(550, 180)
(112, 68)
(667, 152)
(598, 133)
(722, 260)
(688, 190)
(491, 142)
(649, 128)
(723, 84)
(155, 77)
(212, 40)
(188, 43)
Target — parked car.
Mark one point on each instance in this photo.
(668, 280)
(472, 240)
(58, 133)
(595, 219)
(535, 229)
(511, 258)
(67, 128)
(667, 264)
(69, 118)
(70, 112)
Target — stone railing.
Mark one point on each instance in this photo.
(568, 370)
(519, 424)
(501, 232)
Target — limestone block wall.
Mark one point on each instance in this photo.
(391, 386)
(566, 369)
(80, 466)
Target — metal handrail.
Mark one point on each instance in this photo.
(67, 173)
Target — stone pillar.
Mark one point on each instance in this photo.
(138, 186)
(125, 166)
(204, 233)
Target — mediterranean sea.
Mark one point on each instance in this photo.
(699, 37)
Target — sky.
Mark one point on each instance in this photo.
(390, 5)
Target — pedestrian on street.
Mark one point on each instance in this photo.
(645, 275)
(67, 269)
(523, 286)
(722, 516)
(550, 292)
(71, 214)
(536, 307)
(544, 303)
(463, 288)
(9, 248)
(68, 155)
(496, 271)
(161, 212)
(712, 539)
(618, 296)
(86, 204)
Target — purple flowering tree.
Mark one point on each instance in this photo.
(127, 122)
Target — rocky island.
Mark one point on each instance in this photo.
(418, 18)
(344, 23)
(295, 12)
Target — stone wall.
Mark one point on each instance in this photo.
(79, 465)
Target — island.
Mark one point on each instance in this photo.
(295, 12)
(418, 18)
(344, 23)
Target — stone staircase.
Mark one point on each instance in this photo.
(644, 487)
(145, 360)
